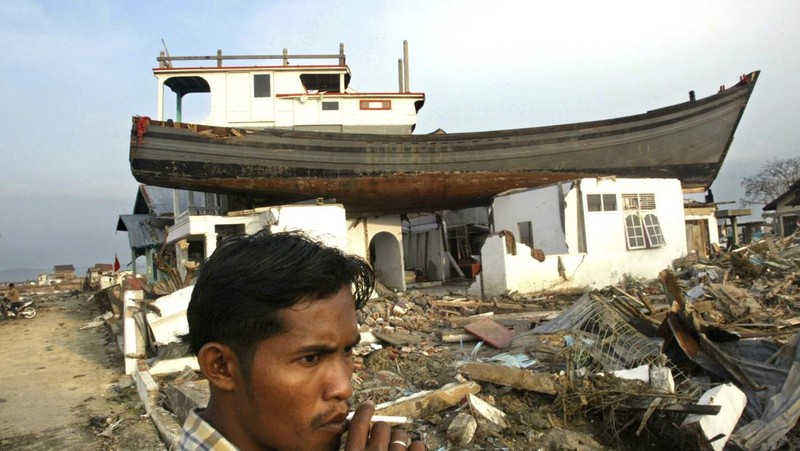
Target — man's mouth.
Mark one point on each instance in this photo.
(337, 424)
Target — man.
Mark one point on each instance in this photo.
(272, 321)
(13, 297)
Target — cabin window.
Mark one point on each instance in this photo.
(375, 105)
(261, 85)
(321, 82)
(601, 202)
(525, 230)
(330, 106)
(642, 228)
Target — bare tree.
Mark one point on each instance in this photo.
(774, 178)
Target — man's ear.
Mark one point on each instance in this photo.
(220, 366)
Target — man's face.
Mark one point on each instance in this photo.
(300, 380)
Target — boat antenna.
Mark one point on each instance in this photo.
(168, 61)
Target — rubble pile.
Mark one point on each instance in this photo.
(704, 357)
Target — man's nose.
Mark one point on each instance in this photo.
(339, 385)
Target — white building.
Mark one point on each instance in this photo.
(592, 233)
(588, 233)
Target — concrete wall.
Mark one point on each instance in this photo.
(324, 222)
(542, 207)
(606, 260)
(385, 235)
(605, 230)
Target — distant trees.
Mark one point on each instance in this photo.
(773, 179)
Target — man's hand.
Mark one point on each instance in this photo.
(380, 436)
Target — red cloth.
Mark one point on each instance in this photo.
(116, 263)
(141, 129)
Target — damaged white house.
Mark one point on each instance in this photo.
(589, 233)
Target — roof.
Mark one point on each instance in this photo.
(63, 268)
(792, 194)
(156, 201)
(144, 231)
(102, 267)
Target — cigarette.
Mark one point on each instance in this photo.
(384, 418)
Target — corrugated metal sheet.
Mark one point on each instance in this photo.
(157, 201)
(144, 231)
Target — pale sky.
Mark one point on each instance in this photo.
(75, 72)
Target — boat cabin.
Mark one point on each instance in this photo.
(297, 97)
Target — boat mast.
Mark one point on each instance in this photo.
(405, 67)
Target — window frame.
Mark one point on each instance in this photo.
(258, 87)
(528, 227)
(642, 226)
(601, 202)
(327, 105)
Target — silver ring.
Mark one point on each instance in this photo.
(399, 442)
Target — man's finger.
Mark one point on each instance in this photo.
(379, 436)
(358, 431)
(399, 440)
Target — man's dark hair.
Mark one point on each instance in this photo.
(249, 279)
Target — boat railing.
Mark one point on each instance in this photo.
(165, 61)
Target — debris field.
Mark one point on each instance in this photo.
(703, 357)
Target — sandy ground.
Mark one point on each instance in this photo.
(65, 388)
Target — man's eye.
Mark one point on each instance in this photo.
(309, 359)
(348, 350)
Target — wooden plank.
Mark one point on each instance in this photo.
(531, 317)
(426, 402)
(460, 303)
(398, 338)
(698, 409)
(511, 377)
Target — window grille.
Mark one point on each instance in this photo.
(646, 201)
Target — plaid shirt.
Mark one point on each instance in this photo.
(199, 435)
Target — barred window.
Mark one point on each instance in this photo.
(645, 201)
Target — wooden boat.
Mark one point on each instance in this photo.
(396, 172)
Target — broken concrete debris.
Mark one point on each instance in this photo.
(703, 357)
(717, 428)
(485, 410)
(491, 332)
(462, 429)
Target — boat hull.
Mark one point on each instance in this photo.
(382, 173)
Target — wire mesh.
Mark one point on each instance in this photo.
(606, 342)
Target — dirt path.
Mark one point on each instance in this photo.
(61, 387)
